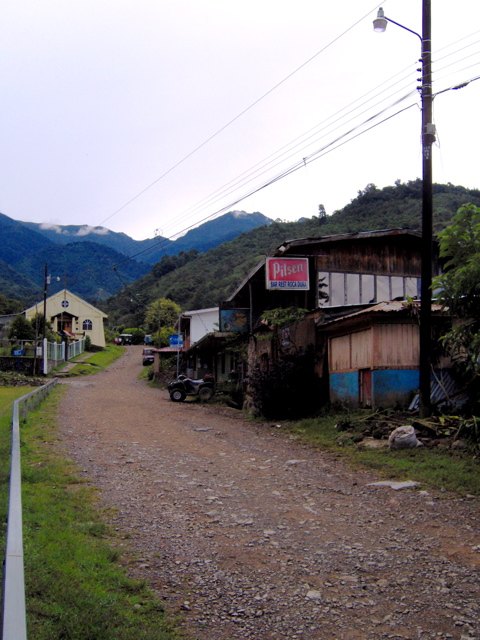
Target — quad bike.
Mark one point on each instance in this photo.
(182, 387)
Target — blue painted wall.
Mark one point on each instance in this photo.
(392, 386)
(389, 387)
(344, 388)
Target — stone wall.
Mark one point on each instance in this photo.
(20, 364)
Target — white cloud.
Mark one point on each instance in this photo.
(52, 227)
(86, 230)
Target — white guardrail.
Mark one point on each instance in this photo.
(14, 611)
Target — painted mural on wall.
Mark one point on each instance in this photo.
(234, 320)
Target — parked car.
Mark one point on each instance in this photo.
(182, 387)
(147, 357)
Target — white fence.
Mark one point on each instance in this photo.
(59, 352)
(51, 354)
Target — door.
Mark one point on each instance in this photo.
(365, 387)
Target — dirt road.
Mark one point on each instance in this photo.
(249, 534)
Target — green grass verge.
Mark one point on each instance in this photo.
(433, 467)
(97, 361)
(76, 588)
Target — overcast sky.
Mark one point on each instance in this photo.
(150, 116)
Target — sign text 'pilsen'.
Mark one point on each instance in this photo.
(287, 273)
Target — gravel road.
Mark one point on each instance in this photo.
(247, 533)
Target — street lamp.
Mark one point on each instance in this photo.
(428, 138)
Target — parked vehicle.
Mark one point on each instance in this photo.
(182, 387)
(147, 357)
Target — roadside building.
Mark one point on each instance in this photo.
(207, 350)
(374, 354)
(72, 317)
(333, 277)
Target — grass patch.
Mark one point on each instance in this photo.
(75, 587)
(437, 467)
(97, 361)
(8, 395)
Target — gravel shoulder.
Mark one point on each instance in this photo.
(247, 533)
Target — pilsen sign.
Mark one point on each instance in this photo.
(287, 273)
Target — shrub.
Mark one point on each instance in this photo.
(287, 389)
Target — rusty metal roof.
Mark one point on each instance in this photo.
(394, 306)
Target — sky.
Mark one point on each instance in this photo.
(149, 117)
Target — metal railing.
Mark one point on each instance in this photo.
(56, 351)
(14, 610)
(76, 348)
(49, 353)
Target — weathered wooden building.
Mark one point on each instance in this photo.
(371, 359)
(346, 270)
(373, 355)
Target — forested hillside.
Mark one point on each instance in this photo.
(86, 268)
(94, 262)
(197, 281)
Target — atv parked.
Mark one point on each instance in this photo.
(182, 387)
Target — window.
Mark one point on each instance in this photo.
(353, 291)
(355, 288)
(87, 325)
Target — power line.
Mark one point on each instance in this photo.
(251, 174)
(293, 168)
(237, 117)
(261, 167)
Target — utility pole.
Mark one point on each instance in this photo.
(428, 138)
(45, 283)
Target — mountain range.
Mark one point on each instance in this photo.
(95, 262)
(203, 267)
(205, 280)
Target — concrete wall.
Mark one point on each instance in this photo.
(202, 321)
(389, 387)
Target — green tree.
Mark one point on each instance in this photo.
(459, 286)
(161, 313)
(21, 329)
(37, 323)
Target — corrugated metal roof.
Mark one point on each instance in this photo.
(394, 306)
(356, 235)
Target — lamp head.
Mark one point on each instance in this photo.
(380, 22)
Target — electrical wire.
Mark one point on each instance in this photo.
(241, 180)
(253, 172)
(291, 169)
(314, 132)
(238, 116)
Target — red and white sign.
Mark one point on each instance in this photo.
(287, 274)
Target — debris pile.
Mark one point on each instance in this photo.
(400, 430)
